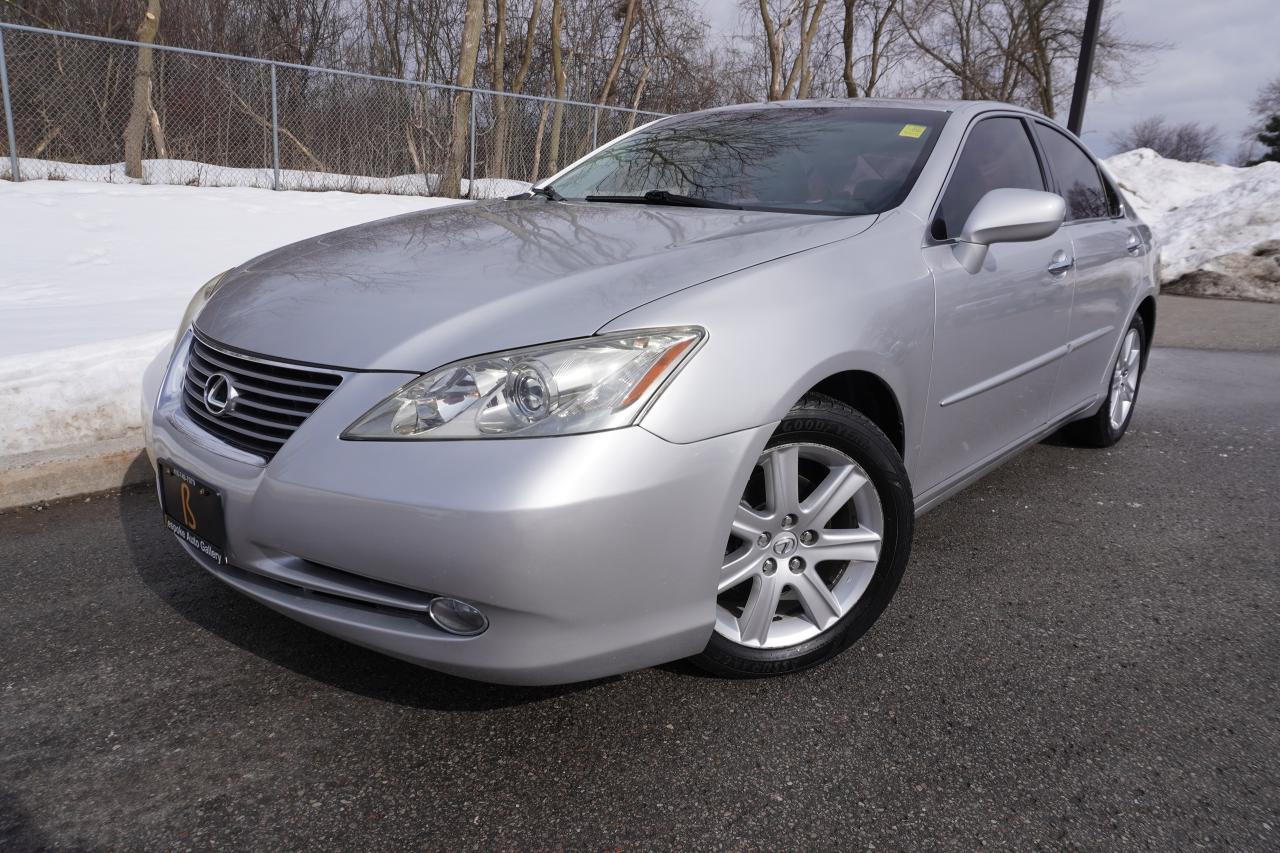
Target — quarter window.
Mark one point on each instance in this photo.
(998, 154)
(1114, 207)
(1077, 176)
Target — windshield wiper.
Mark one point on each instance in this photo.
(665, 197)
(548, 192)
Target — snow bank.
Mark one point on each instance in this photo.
(1207, 218)
(77, 395)
(194, 174)
(93, 262)
(94, 279)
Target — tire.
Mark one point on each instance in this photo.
(1104, 428)
(827, 524)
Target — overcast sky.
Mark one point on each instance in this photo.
(1220, 52)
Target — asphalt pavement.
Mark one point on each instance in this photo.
(1085, 653)
(1227, 324)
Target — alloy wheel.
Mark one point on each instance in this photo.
(803, 547)
(1124, 379)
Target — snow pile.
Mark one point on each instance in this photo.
(1216, 226)
(72, 396)
(94, 279)
(194, 174)
(93, 262)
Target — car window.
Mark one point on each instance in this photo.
(1114, 206)
(998, 154)
(825, 160)
(1077, 176)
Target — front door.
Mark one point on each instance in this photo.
(1000, 333)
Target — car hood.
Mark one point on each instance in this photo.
(412, 292)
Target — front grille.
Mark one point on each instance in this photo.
(273, 398)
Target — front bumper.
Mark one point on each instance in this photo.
(590, 554)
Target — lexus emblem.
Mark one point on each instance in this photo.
(220, 395)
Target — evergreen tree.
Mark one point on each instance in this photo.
(1270, 137)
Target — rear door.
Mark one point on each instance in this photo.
(998, 332)
(1108, 251)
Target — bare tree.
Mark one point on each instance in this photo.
(1266, 102)
(1020, 51)
(1046, 45)
(801, 68)
(1189, 141)
(963, 46)
(773, 42)
(558, 75)
(501, 120)
(451, 179)
(880, 22)
(498, 75)
(635, 103)
(1265, 107)
(803, 17)
(628, 20)
(142, 112)
(670, 66)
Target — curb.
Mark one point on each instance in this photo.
(48, 475)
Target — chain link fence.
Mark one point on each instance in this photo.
(223, 120)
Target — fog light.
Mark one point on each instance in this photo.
(457, 617)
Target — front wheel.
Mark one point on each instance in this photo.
(817, 546)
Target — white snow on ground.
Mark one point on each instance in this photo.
(193, 174)
(94, 279)
(73, 396)
(92, 262)
(1200, 211)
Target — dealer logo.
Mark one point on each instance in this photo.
(220, 395)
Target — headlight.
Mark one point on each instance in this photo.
(572, 387)
(203, 295)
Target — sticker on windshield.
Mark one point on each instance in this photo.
(915, 131)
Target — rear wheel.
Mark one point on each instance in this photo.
(1108, 425)
(818, 543)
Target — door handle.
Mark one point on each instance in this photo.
(1061, 262)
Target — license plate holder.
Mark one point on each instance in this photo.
(193, 512)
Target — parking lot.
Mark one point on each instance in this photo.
(1084, 653)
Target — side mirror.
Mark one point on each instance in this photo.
(1007, 216)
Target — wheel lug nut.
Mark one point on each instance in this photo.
(796, 564)
(788, 521)
(770, 566)
(808, 537)
(763, 540)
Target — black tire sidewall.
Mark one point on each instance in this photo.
(821, 420)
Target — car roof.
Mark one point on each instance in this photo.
(948, 105)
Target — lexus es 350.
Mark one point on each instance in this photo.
(683, 399)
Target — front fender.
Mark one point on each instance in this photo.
(778, 329)
(152, 378)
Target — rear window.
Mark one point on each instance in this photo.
(825, 160)
(1077, 176)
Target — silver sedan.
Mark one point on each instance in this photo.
(685, 398)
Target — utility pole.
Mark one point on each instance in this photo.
(1084, 69)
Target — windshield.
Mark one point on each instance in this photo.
(824, 160)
